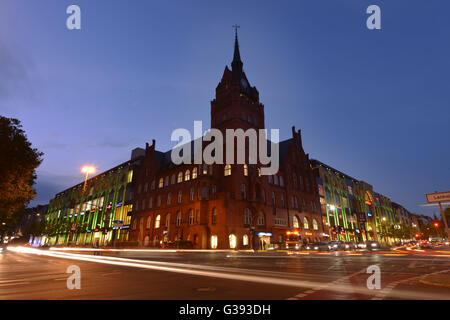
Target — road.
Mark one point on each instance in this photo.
(173, 275)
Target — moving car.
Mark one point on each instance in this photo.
(319, 246)
(372, 245)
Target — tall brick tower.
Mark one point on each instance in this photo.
(237, 103)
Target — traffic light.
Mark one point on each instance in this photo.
(417, 235)
(436, 224)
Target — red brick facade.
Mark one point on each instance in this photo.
(213, 207)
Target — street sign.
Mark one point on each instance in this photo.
(438, 197)
(118, 223)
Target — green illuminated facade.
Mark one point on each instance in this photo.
(351, 210)
(98, 213)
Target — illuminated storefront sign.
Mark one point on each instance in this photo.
(264, 234)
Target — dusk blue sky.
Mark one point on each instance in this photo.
(373, 104)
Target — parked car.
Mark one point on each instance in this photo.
(337, 245)
(361, 245)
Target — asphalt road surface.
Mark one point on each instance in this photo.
(172, 275)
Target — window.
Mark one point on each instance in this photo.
(233, 241)
(143, 204)
(160, 183)
(172, 179)
(180, 195)
(187, 175)
(158, 201)
(204, 192)
(157, 221)
(227, 170)
(146, 187)
(197, 215)
(167, 220)
(270, 179)
(214, 216)
(282, 200)
(153, 185)
(205, 168)
(213, 189)
(281, 181)
(294, 180)
(134, 224)
(180, 177)
(301, 183)
(194, 173)
(139, 189)
(169, 198)
(243, 192)
(245, 170)
(305, 223)
(213, 241)
(307, 184)
(245, 240)
(178, 222)
(166, 181)
(296, 202)
(137, 205)
(273, 199)
(247, 217)
(260, 220)
(150, 203)
(191, 194)
(315, 225)
(275, 179)
(295, 222)
(149, 222)
(130, 176)
(191, 217)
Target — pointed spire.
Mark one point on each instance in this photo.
(236, 65)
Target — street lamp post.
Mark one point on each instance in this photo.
(87, 170)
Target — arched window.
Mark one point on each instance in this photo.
(233, 241)
(294, 180)
(305, 223)
(213, 216)
(275, 179)
(315, 225)
(213, 241)
(167, 220)
(169, 198)
(247, 217)
(227, 170)
(187, 175)
(158, 201)
(245, 170)
(194, 173)
(150, 205)
(260, 220)
(191, 194)
(160, 183)
(191, 216)
(153, 185)
(180, 195)
(180, 177)
(178, 222)
(295, 222)
(172, 179)
(149, 222)
(245, 240)
(166, 181)
(243, 192)
(157, 221)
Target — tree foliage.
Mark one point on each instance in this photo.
(18, 163)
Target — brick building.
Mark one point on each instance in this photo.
(227, 205)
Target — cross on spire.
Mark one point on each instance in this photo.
(237, 63)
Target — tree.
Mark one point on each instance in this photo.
(18, 163)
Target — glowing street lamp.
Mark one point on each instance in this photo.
(87, 170)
